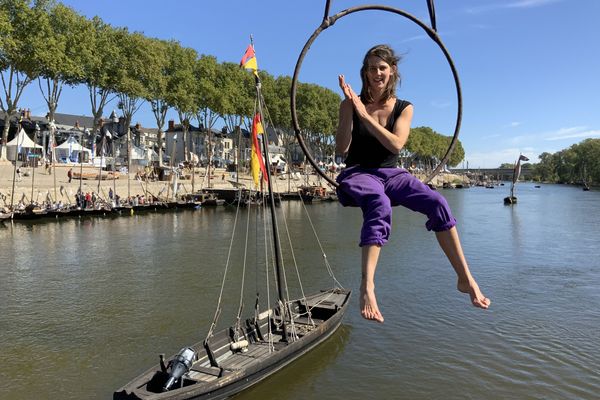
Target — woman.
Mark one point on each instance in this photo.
(373, 128)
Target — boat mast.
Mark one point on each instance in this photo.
(281, 292)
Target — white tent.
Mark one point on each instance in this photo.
(69, 151)
(21, 143)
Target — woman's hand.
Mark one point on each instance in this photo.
(349, 94)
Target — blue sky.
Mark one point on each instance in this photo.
(528, 68)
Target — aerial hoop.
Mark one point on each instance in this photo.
(329, 21)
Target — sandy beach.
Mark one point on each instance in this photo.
(45, 181)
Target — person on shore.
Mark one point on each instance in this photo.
(19, 175)
(372, 129)
(70, 174)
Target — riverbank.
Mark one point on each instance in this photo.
(40, 183)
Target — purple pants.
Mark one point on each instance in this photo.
(377, 190)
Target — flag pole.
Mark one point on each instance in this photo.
(281, 289)
(12, 193)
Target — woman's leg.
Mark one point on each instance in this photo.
(368, 302)
(366, 191)
(450, 244)
(406, 190)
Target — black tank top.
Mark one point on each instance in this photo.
(365, 150)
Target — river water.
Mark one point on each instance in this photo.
(87, 304)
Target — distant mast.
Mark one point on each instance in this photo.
(516, 173)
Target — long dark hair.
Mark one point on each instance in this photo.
(387, 54)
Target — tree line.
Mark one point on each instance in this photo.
(50, 44)
(580, 163)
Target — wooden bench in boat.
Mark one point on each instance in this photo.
(214, 371)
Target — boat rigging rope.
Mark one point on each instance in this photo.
(326, 262)
(218, 310)
(237, 324)
(267, 271)
(327, 22)
(327, 265)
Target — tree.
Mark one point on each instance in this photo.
(317, 116)
(138, 63)
(181, 86)
(157, 91)
(20, 45)
(101, 66)
(63, 57)
(430, 147)
(207, 93)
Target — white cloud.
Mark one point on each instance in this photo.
(512, 4)
(495, 158)
(414, 38)
(441, 104)
(529, 3)
(514, 124)
(573, 133)
(531, 145)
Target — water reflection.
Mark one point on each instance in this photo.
(304, 378)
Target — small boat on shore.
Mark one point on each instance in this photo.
(108, 175)
(30, 212)
(313, 194)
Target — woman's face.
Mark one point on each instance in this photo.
(378, 73)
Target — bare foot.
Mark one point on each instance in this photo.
(368, 304)
(477, 298)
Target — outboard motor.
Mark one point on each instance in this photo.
(179, 366)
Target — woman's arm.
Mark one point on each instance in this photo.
(343, 135)
(393, 141)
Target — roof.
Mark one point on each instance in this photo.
(71, 120)
(22, 140)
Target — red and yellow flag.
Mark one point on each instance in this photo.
(249, 60)
(256, 161)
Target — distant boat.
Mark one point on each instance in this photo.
(512, 199)
(586, 187)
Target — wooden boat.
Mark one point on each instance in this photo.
(586, 186)
(253, 348)
(291, 196)
(235, 359)
(31, 212)
(512, 199)
(109, 175)
(205, 199)
(312, 194)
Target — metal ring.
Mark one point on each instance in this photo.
(328, 22)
